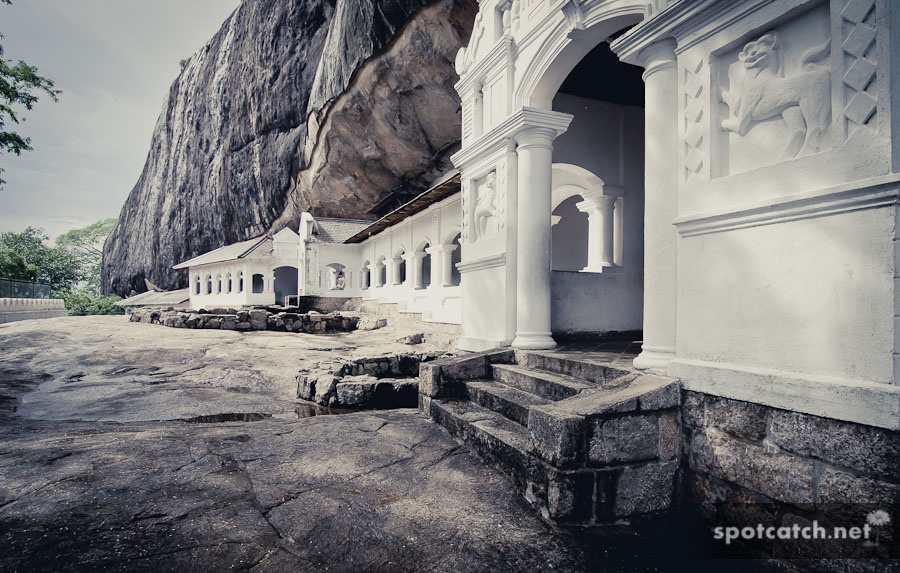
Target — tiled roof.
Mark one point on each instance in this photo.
(446, 186)
(154, 298)
(337, 230)
(230, 252)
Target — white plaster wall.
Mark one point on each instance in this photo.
(810, 296)
(235, 298)
(436, 225)
(606, 139)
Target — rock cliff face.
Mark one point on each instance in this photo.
(321, 105)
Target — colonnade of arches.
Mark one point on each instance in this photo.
(424, 266)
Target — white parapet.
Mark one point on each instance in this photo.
(13, 309)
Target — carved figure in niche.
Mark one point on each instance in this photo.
(486, 206)
(803, 100)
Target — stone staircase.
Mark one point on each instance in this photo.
(586, 443)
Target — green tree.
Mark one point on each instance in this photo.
(12, 266)
(19, 82)
(60, 267)
(87, 242)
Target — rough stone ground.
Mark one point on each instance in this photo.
(98, 473)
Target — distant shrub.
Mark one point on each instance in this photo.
(81, 302)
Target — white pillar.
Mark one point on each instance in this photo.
(435, 253)
(478, 111)
(599, 209)
(447, 264)
(535, 161)
(378, 266)
(660, 206)
(395, 271)
(416, 267)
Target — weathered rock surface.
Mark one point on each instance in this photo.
(387, 491)
(293, 105)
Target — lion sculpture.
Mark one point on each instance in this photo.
(803, 100)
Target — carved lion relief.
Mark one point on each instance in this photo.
(802, 99)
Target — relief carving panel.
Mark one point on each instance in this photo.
(776, 95)
(484, 214)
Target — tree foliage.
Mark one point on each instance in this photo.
(13, 266)
(19, 84)
(61, 268)
(87, 242)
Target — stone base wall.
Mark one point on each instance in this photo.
(15, 309)
(255, 319)
(745, 463)
(326, 303)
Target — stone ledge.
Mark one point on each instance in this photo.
(868, 403)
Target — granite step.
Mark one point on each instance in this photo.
(549, 385)
(585, 370)
(508, 401)
(495, 438)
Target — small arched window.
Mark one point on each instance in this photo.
(241, 282)
(258, 283)
(209, 284)
(197, 286)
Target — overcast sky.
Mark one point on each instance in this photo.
(114, 61)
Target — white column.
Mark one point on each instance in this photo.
(395, 271)
(447, 264)
(436, 255)
(414, 264)
(378, 267)
(660, 188)
(535, 160)
(599, 209)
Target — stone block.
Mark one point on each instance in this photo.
(242, 326)
(325, 386)
(259, 319)
(306, 386)
(557, 436)
(778, 475)
(425, 405)
(871, 451)
(644, 489)
(228, 323)
(667, 396)
(839, 487)
(430, 380)
(742, 419)
(213, 323)
(570, 495)
(693, 409)
(669, 436)
(623, 439)
(355, 393)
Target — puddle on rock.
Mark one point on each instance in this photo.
(231, 417)
(302, 410)
(310, 409)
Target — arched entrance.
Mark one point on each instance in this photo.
(287, 283)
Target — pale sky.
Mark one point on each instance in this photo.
(114, 61)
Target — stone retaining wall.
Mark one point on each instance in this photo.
(256, 319)
(746, 462)
(14, 309)
(377, 382)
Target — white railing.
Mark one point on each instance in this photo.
(14, 309)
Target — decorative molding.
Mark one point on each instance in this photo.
(497, 136)
(481, 264)
(867, 194)
(859, 49)
(870, 403)
(693, 83)
(465, 200)
(501, 195)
